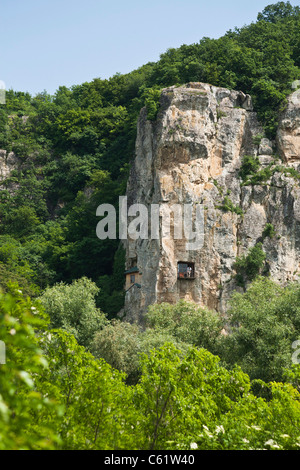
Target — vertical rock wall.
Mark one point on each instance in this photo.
(192, 154)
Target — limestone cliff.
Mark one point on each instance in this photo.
(192, 153)
(8, 163)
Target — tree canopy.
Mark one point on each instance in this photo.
(57, 395)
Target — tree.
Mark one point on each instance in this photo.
(27, 411)
(249, 266)
(14, 267)
(191, 402)
(264, 322)
(98, 412)
(187, 323)
(179, 394)
(122, 344)
(21, 221)
(118, 343)
(72, 307)
(276, 12)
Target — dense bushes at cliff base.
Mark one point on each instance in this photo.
(57, 395)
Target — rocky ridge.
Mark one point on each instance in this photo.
(193, 153)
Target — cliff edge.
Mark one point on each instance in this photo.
(195, 153)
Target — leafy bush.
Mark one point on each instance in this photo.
(249, 166)
(121, 344)
(186, 322)
(73, 308)
(249, 266)
(268, 231)
(228, 206)
(151, 97)
(264, 321)
(118, 343)
(192, 402)
(27, 411)
(56, 395)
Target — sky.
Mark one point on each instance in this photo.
(45, 44)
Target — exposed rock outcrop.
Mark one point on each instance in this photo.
(192, 154)
(288, 135)
(8, 163)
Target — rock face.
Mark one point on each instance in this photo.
(191, 155)
(8, 162)
(288, 136)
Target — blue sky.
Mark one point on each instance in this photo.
(48, 43)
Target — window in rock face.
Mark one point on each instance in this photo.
(185, 270)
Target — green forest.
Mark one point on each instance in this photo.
(75, 376)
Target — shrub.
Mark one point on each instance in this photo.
(248, 267)
(264, 321)
(187, 322)
(72, 307)
(121, 344)
(250, 165)
(268, 231)
(228, 206)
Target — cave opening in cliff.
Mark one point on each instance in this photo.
(185, 270)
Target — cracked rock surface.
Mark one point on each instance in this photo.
(192, 154)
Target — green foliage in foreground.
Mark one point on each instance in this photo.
(54, 394)
(27, 411)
